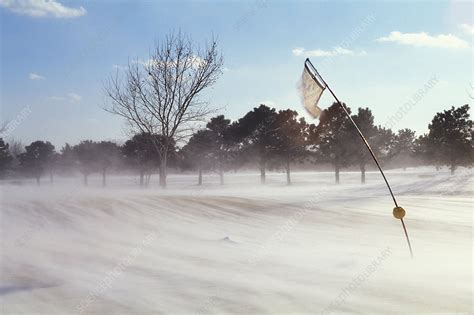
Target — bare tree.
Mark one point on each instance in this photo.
(16, 147)
(161, 96)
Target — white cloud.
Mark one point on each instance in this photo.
(195, 61)
(143, 62)
(42, 8)
(71, 97)
(74, 97)
(119, 67)
(466, 28)
(35, 76)
(336, 51)
(298, 51)
(425, 40)
(57, 98)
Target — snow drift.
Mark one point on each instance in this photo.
(311, 247)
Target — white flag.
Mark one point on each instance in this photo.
(311, 88)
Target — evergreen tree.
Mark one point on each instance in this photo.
(52, 165)
(335, 136)
(257, 133)
(403, 148)
(107, 156)
(222, 145)
(86, 155)
(67, 160)
(365, 121)
(291, 139)
(450, 137)
(379, 139)
(140, 155)
(197, 153)
(36, 158)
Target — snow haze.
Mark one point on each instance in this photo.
(312, 247)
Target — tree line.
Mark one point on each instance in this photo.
(264, 138)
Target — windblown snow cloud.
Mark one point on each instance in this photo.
(423, 39)
(466, 28)
(35, 76)
(42, 8)
(336, 51)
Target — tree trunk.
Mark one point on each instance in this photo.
(200, 177)
(453, 168)
(142, 177)
(337, 173)
(362, 173)
(163, 173)
(288, 177)
(263, 178)
(104, 182)
(146, 179)
(38, 180)
(85, 180)
(51, 178)
(221, 177)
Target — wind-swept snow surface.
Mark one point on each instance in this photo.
(313, 247)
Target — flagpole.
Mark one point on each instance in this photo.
(376, 162)
(398, 215)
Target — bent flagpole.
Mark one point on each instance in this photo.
(313, 86)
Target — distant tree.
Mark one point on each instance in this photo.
(140, 154)
(15, 148)
(291, 139)
(67, 160)
(383, 141)
(335, 136)
(107, 155)
(426, 152)
(86, 155)
(379, 139)
(365, 121)
(257, 133)
(52, 165)
(162, 97)
(403, 148)
(198, 153)
(5, 158)
(222, 145)
(450, 136)
(36, 158)
(313, 139)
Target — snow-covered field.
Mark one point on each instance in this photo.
(242, 248)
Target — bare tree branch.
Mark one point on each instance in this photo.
(161, 95)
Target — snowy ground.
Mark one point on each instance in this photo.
(312, 247)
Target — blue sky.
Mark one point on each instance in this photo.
(56, 55)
